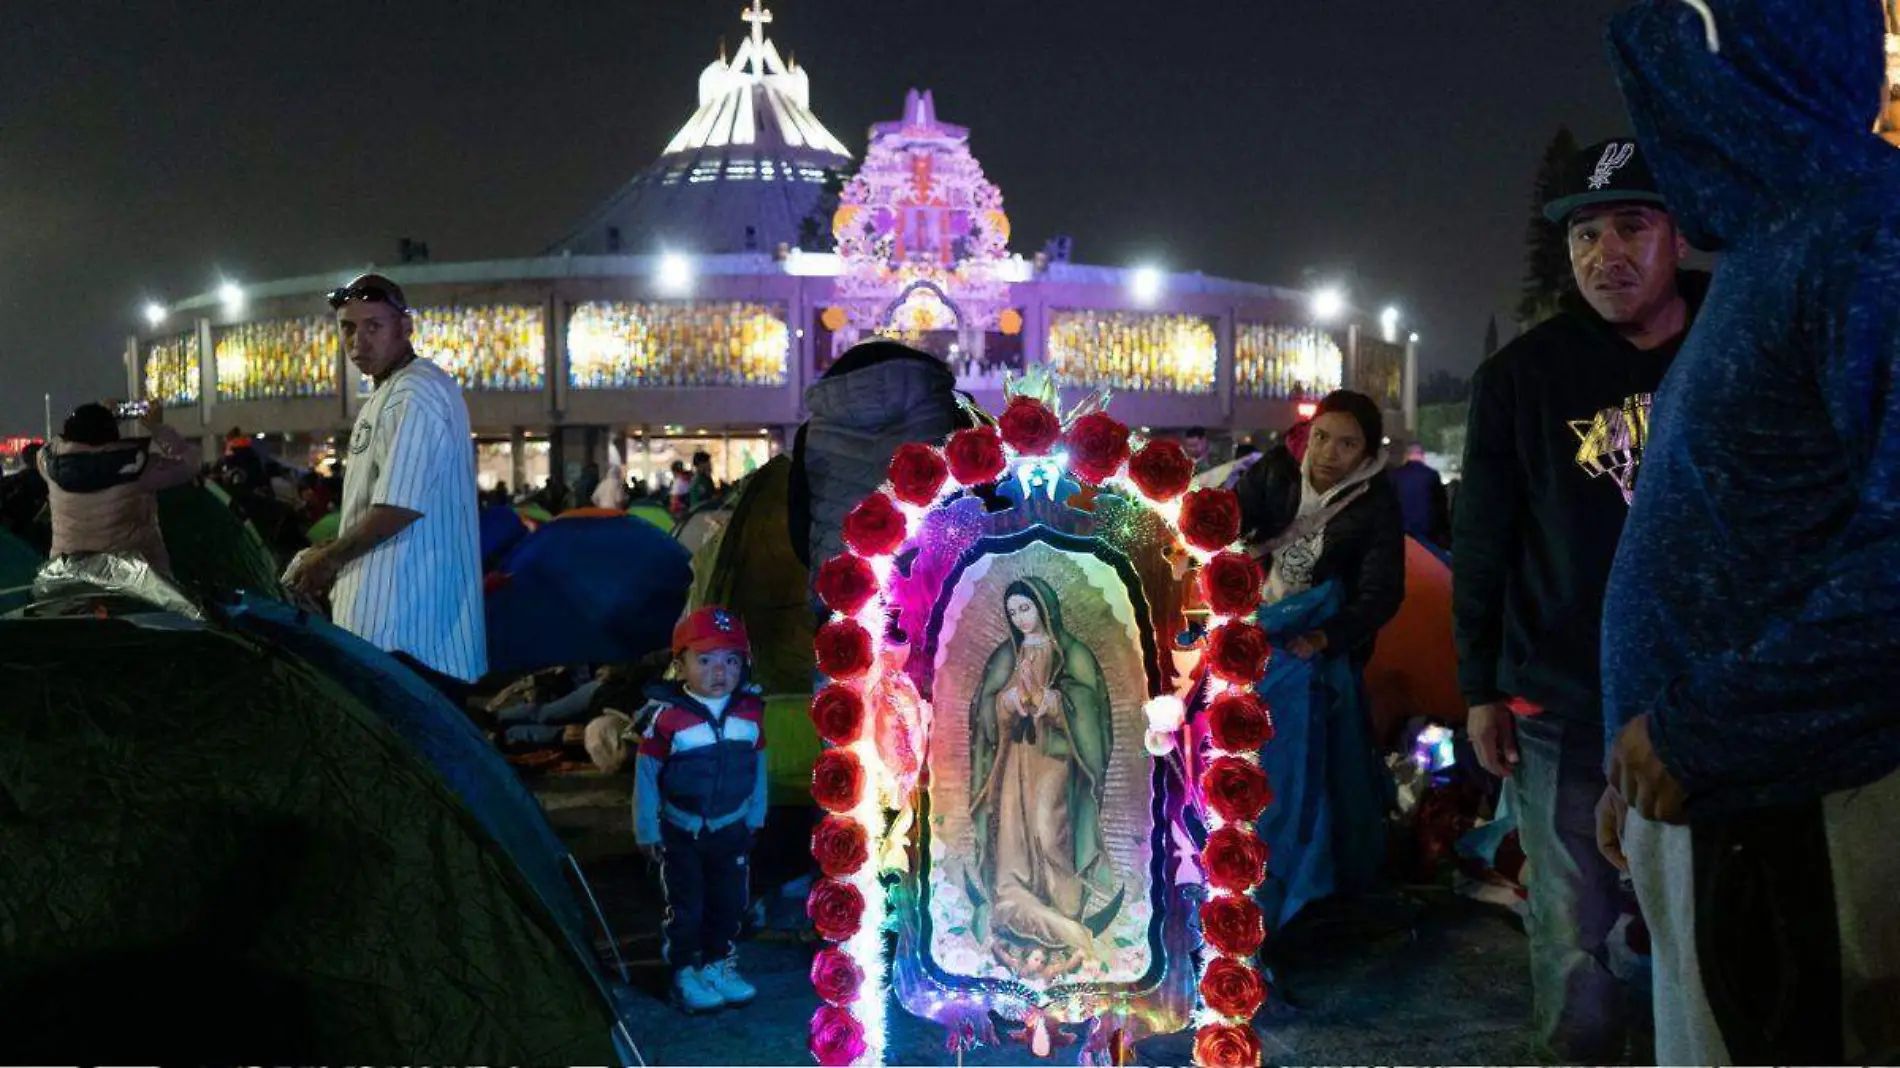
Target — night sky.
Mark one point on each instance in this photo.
(148, 149)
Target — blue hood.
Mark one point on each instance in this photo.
(1784, 111)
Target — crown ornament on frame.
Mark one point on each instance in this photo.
(1081, 487)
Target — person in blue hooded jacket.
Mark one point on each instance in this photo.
(1752, 624)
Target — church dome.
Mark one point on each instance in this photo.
(745, 173)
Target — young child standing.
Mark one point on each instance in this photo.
(699, 789)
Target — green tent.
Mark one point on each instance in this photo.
(214, 553)
(216, 853)
(18, 561)
(748, 566)
(653, 514)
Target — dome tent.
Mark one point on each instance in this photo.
(289, 876)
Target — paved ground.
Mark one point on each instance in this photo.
(1430, 980)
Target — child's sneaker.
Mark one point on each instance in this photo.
(693, 993)
(723, 979)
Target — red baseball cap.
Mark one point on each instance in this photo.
(710, 629)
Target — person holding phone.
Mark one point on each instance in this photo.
(102, 487)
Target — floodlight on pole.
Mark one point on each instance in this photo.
(1329, 304)
(1146, 283)
(1389, 324)
(154, 313)
(232, 296)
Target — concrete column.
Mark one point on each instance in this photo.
(134, 388)
(1410, 385)
(517, 458)
(207, 375)
(1227, 364)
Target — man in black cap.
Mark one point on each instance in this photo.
(1552, 449)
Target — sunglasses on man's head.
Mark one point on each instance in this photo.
(368, 294)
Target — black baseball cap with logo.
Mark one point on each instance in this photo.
(1609, 172)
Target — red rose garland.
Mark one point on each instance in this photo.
(837, 780)
(1210, 519)
(1029, 427)
(875, 527)
(1238, 722)
(837, 1037)
(1162, 469)
(1233, 925)
(836, 908)
(917, 474)
(836, 977)
(1230, 583)
(1098, 447)
(845, 584)
(1237, 652)
(975, 456)
(840, 846)
(838, 713)
(1234, 858)
(1226, 1046)
(844, 649)
(1232, 988)
(1236, 789)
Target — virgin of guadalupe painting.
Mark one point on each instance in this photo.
(1040, 739)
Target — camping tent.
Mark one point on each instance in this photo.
(18, 561)
(214, 553)
(749, 567)
(232, 850)
(1414, 668)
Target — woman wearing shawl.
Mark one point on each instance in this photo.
(1040, 744)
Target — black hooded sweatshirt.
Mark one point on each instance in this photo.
(1553, 443)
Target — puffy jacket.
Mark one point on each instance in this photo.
(860, 414)
(103, 497)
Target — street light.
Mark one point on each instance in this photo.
(154, 313)
(676, 273)
(232, 295)
(1389, 324)
(1146, 284)
(1414, 338)
(1329, 304)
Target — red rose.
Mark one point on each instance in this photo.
(837, 780)
(1238, 722)
(835, 976)
(1029, 426)
(841, 846)
(875, 527)
(1234, 858)
(1232, 988)
(835, 908)
(1230, 583)
(975, 455)
(917, 474)
(1238, 652)
(1162, 469)
(844, 649)
(1235, 788)
(846, 584)
(838, 713)
(1232, 924)
(1210, 519)
(836, 1036)
(1226, 1046)
(1098, 446)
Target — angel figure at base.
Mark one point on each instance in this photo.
(1044, 889)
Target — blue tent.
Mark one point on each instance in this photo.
(586, 590)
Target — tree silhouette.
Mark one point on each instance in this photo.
(1547, 255)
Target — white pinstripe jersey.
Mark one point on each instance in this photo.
(420, 592)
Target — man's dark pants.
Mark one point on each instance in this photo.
(1583, 1013)
(707, 881)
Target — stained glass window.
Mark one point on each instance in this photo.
(486, 346)
(1284, 362)
(1131, 351)
(171, 369)
(276, 359)
(617, 344)
(1381, 374)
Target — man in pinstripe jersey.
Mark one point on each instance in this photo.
(405, 570)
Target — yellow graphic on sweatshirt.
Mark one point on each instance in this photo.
(1612, 443)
